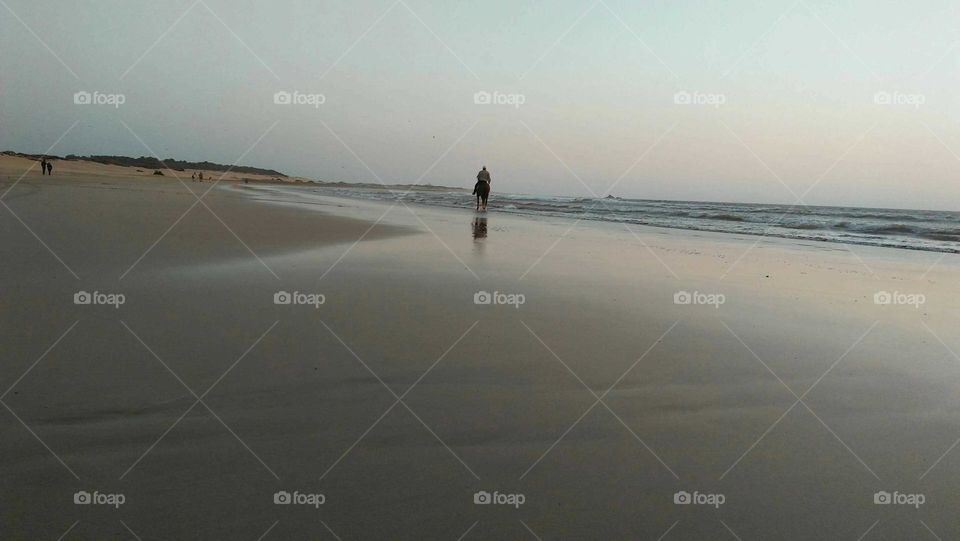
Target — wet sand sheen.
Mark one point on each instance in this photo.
(494, 397)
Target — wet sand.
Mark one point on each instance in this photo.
(693, 397)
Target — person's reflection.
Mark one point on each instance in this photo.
(479, 232)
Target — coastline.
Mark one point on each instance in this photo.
(908, 229)
(920, 230)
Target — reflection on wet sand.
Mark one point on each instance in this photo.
(479, 226)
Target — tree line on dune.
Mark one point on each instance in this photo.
(148, 162)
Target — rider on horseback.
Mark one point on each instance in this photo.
(482, 188)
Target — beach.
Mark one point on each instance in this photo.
(585, 375)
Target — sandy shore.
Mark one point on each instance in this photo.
(598, 399)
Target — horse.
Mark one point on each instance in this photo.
(483, 191)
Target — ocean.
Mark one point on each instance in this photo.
(929, 230)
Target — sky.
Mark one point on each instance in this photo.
(797, 101)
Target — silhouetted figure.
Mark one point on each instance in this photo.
(201, 177)
(193, 177)
(43, 166)
(49, 168)
(482, 188)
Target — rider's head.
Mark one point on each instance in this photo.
(484, 167)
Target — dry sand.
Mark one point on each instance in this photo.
(695, 398)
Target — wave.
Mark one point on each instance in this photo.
(726, 217)
(913, 229)
(950, 237)
(888, 229)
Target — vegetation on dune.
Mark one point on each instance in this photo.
(148, 162)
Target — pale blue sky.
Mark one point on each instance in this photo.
(798, 80)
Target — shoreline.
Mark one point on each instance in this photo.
(507, 204)
(10, 164)
(332, 203)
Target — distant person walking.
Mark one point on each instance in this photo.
(49, 168)
(482, 188)
(43, 165)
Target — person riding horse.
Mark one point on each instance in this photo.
(482, 188)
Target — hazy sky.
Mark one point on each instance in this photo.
(792, 84)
